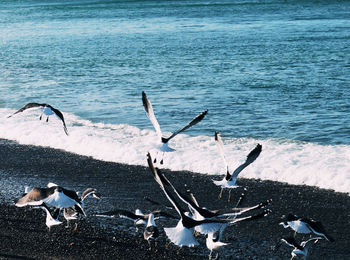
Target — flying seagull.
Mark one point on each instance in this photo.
(150, 114)
(182, 234)
(229, 181)
(53, 195)
(200, 212)
(301, 249)
(305, 226)
(47, 110)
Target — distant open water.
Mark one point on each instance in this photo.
(274, 72)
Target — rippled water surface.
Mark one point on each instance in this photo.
(264, 69)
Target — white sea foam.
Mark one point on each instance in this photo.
(281, 160)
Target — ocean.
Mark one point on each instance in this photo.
(269, 72)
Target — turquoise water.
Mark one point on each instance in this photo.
(264, 69)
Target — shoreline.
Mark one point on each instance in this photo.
(125, 186)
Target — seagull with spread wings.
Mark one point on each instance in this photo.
(182, 234)
(229, 181)
(150, 114)
(301, 249)
(46, 110)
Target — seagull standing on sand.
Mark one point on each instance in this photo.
(301, 249)
(72, 213)
(213, 242)
(229, 181)
(305, 226)
(182, 234)
(150, 114)
(151, 232)
(47, 110)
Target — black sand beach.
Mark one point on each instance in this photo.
(23, 233)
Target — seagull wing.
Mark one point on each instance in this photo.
(192, 204)
(60, 116)
(303, 244)
(167, 194)
(317, 228)
(157, 203)
(250, 158)
(220, 146)
(29, 105)
(91, 191)
(33, 198)
(122, 214)
(150, 114)
(194, 121)
(239, 211)
(292, 242)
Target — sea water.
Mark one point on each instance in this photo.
(269, 72)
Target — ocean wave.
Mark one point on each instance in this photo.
(294, 162)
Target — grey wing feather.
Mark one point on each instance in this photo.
(220, 146)
(60, 115)
(29, 105)
(194, 121)
(250, 158)
(150, 114)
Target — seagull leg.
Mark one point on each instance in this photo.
(217, 255)
(229, 196)
(149, 245)
(75, 227)
(241, 197)
(40, 116)
(167, 246)
(155, 158)
(211, 251)
(220, 195)
(47, 119)
(68, 224)
(178, 251)
(161, 162)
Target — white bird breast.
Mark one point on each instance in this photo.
(181, 236)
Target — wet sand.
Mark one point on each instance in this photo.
(24, 235)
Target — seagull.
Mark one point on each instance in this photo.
(47, 110)
(229, 181)
(182, 234)
(53, 195)
(72, 213)
(50, 220)
(213, 242)
(151, 232)
(301, 249)
(305, 226)
(200, 213)
(138, 217)
(150, 114)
